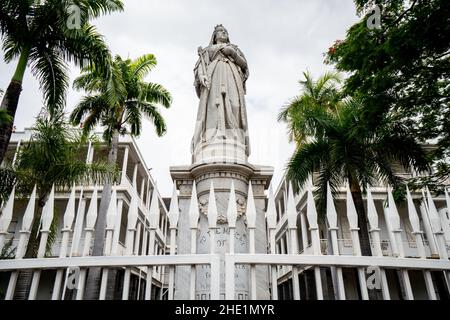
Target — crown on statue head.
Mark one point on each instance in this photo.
(218, 26)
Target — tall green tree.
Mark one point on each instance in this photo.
(117, 103)
(402, 69)
(4, 116)
(53, 156)
(342, 148)
(317, 95)
(45, 36)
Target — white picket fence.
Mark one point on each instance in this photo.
(296, 261)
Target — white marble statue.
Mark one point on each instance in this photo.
(220, 75)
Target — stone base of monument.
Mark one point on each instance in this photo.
(221, 174)
(220, 150)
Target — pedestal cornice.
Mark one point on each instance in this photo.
(245, 172)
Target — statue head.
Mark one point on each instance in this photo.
(220, 35)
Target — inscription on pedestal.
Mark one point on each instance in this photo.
(222, 246)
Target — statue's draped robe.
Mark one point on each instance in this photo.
(222, 113)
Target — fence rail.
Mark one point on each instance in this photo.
(139, 252)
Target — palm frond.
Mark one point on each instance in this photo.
(51, 70)
(152, 113)
(155, 93)
(11, 48)
(125, 97)
(116, 91)
(141, 66)
(307, 159)
(51, 157)
(89, 80)
(133, 118)
(100, 7)
(90, 109)
(86, 47)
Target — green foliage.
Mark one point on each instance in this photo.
(402, 70)
(53, 235)
(317, 96)
(53, 157)
(8, 251)
(38, 32)
(8, 178)
(4, 116)
(118, 99)
(341, 146)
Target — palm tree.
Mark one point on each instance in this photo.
(52, 157)
(316, 96)
(117, 102)
(343, 148)
(4, 116)
(39, 34)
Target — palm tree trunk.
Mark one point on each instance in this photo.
(11, 100)
(362, 219)
(95, 273)
(364, 239)
(24, 280)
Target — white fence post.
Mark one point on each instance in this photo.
(215, 278)
(91, 218)
(231, 217)
(372, 216)
(110, 223)
(173, 215)
(77, 230)
(445, 219)
(212, 218)
(427, 226)
(292, 225)
(436, 226)
(124, 166)
(311, 215)
(352, 217)
(271, 217)
(129, 240)
(154, 216)
(332, 222)
(415, 224)
(23, 240)
(6, 217)
(69, 216)
(45, 223)
(395, 224)
(193, 220)
(78, 227)
(251, 225)
(439, 234)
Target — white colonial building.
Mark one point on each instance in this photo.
(223, 234)
(136, 185)
(413, 231)
(231, 238)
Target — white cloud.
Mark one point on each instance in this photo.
(280, 39)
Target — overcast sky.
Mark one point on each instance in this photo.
(280, 40)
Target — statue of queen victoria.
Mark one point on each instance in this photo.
(220, 75)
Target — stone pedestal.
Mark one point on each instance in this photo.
(221, 174)
(220, 150)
